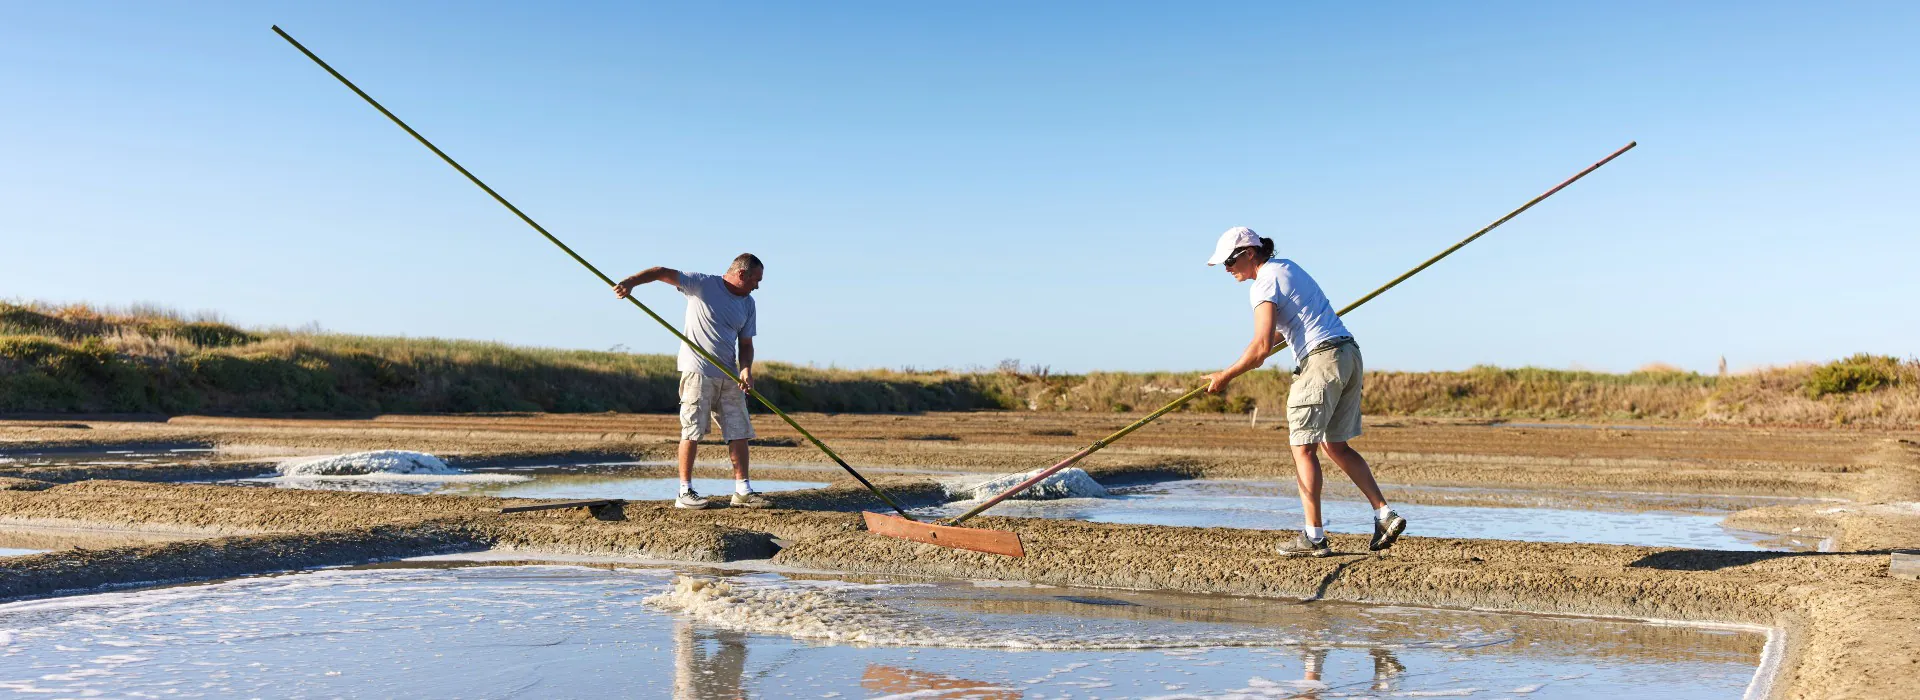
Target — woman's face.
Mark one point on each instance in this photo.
(1245, 265)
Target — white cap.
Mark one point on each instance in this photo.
(1234, 239)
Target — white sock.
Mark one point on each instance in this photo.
(743, 486)
(1382, 513)
(686, 487)
(1315, 532)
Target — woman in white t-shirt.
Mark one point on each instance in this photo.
(1323, 404)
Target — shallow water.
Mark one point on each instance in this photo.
(544, 631)
(109, 457)
(12, 552)
(1276, 506)
(544, 482)
(575, 485)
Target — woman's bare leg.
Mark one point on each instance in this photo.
(1356, 468)
(1307, 467)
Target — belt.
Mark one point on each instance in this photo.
(1324, 346)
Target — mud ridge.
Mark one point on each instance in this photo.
(78, 570)
(13, 483)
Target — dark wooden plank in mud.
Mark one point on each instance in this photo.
(595, 503)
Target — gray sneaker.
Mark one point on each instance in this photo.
(1303, 547)
(693, 501)
(1385, 532)
(750, 499)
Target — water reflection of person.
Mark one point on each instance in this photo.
(1385, 667)
(700, 675)
(1312, 663)
(892, 680)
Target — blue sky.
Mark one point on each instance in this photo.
(949, 185)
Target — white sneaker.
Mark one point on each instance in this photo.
(692, 501)
(751, 499)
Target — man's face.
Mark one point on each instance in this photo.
(750, 278)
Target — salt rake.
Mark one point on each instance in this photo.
(596, 272)
(949, 533)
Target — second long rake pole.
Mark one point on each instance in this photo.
(1191, 395)
(596, 272)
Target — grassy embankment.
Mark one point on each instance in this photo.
(79, 359)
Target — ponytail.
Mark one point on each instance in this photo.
(1266, 248)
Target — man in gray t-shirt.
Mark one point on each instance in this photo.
(721, 320)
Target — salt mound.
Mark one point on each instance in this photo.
(1072, 482)
(361, 463)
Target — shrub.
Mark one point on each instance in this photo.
(1855, 375)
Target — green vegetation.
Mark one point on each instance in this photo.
(79, 359)
(1858, 374)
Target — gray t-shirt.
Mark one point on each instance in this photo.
(716, 320)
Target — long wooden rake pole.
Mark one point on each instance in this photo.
(596, 272)
(1189, 396)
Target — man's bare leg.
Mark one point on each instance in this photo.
(688, 498)
(1356, 468)
(688, 449)
(737, 449)
(743, 493)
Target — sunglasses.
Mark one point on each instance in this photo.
(1235, 257)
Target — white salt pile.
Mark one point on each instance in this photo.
(1072, 482)
(363, 463)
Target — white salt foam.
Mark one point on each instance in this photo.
(1072, 482)
(851, 615)
(363, 463)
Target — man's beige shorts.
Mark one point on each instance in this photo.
(1323, 404)
(702, 396)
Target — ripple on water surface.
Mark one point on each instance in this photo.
(416, 630)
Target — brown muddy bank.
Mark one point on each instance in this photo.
(1693, 459)
(1851, 631)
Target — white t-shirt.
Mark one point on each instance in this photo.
(716, 320)
(1301, 310)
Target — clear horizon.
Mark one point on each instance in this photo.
(953, 186)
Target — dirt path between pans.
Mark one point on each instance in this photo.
(1851, 631)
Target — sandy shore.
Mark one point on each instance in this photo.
(1850, 630)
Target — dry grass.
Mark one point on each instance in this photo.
(142, 359)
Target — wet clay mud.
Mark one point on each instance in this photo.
(1842, 627)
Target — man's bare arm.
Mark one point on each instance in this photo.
(746, 363)
(651, 274)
